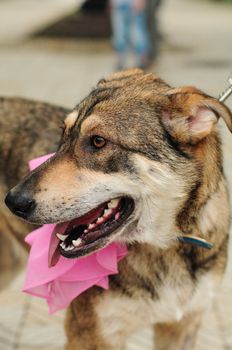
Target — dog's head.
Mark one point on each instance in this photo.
(128, 160)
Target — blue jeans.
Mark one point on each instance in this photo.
(130, 28)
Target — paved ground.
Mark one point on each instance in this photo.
(197, 51)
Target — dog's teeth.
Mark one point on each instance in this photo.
(100, 220)
(66, 248)
(77, 242)
(91, 226)
(61, 237)
(108, 212)
(117, 216)
(113, 203)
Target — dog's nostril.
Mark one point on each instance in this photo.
(20, 204)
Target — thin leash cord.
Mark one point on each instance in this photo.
(228, 91)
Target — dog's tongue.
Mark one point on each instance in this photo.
(53, 252)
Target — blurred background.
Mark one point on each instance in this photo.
(55, 51)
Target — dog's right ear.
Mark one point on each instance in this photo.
(189, 115)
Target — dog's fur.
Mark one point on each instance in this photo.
(28, 129)
(164, 151)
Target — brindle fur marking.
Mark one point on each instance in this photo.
(164, 151)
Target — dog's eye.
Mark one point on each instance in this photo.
(98, 141)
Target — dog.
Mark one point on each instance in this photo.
(28, 130)
(139, 162)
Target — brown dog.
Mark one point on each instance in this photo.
(28, 129)
(140, 163)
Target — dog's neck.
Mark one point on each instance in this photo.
(167, 216)
(209, 166)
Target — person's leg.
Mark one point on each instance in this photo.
(120, 27)
(140, 38)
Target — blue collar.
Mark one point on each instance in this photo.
(196, 241)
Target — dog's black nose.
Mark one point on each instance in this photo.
(20, 203)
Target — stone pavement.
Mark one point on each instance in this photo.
(197, 50)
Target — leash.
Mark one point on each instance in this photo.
(193, 240)
(226, 94)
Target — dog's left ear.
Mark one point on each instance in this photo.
(190, 115)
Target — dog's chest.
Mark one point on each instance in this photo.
(121, 315)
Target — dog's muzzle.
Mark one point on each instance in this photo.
(20, 202)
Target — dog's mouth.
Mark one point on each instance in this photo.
(89, 232)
